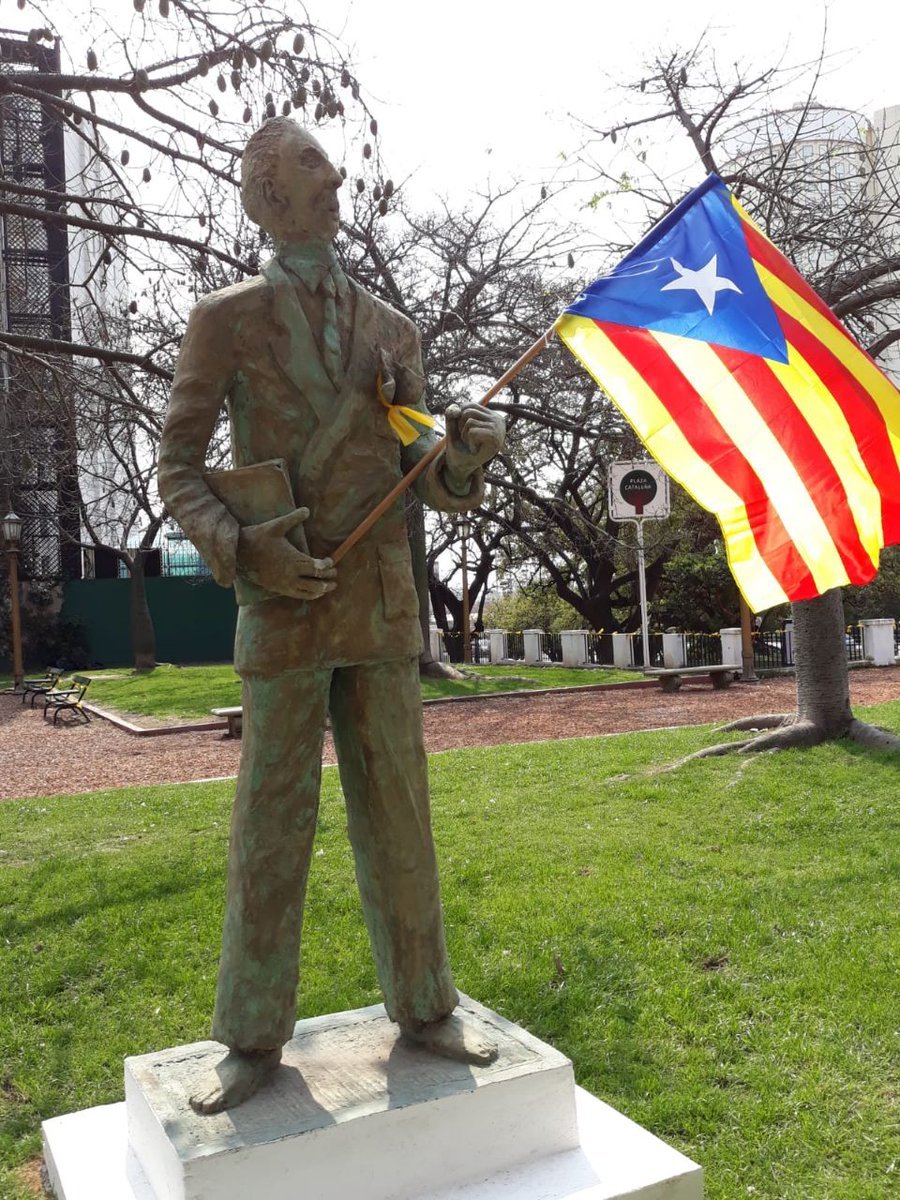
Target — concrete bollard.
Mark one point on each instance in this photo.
(731, 646)
(622, 651)
(498, 645)
(878, 640)
(673, 650)
(436, 642)
(574, 647)
(533, 642)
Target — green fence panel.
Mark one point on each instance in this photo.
(194, 619)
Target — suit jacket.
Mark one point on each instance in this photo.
(251, 348)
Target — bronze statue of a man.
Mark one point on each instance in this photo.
(295, 354)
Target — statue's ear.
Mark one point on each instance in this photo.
(273, 199)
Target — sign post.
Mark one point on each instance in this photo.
(638, 492)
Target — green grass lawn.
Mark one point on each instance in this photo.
(171, 691)
(716, 948)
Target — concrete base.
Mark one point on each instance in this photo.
(369, 1118)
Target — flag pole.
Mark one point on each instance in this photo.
(412, 475)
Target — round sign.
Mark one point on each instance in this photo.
(637, 488)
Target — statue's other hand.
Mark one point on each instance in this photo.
(474, 435)
(266, 557)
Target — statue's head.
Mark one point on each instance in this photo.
(288, 186)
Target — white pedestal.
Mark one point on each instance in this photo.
(369, 1118)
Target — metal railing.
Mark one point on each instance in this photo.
(551, 647)
(655, 643)
(702, 649)
(515, 645)
(600, 649)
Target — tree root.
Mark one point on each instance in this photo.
(872, 737)
(438, 670)
(786, 732)
(764, 721)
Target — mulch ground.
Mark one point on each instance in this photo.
(40, 759)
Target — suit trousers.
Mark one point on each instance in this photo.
(376, 714)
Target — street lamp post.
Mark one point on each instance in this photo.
(12, 530)
(464, 530)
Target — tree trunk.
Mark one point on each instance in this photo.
(143, 636)
(820, 652)
(429, 666)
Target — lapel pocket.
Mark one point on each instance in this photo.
(398, 590)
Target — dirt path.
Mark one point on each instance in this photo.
(38, 759)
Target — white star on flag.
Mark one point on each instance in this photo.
(706, 282)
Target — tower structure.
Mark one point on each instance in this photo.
(38, 460)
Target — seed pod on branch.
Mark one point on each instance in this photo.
(248, 115)
(343, 172)
(376, 192)
(265, 49)
(332, 108)
(320, 111)
(382, 207)
(125, 157)
(389, 188)
(91, 60)
(299, 42)
(367, 151)
(163, 8)
(345, 78)
(271, 111)
(214, 108)
(138, 5)
(236, 80)
(360, 185)
(286, 108)
(132, 307)
(316, 87)
(304, 75)
(220, 83)
(570, 261)
(203, 64)
(250, 56)
(145, 175)
(237, 60)
(141, 80)
(373, 127)
(299, 97)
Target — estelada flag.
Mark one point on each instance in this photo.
(745, 387)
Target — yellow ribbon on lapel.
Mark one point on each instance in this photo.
(400, 417)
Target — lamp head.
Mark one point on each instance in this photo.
(12, 530)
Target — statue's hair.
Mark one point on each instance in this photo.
(260, 162)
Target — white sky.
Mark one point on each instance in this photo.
(477, 88)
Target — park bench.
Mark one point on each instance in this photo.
(40, 687)
(234, 717)
(671, 678)
(60, 700)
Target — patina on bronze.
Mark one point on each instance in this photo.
(296, 354)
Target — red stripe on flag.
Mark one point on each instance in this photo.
(863, 416)
(709, 440)
(815, 469)
(769, 256)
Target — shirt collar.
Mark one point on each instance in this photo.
(310, 261)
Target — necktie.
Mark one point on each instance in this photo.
(331, 336)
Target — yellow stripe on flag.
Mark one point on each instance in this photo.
(842, 346)
(665, 441)
(742, 421)
(825, 418)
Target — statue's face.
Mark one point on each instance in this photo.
(304, 189)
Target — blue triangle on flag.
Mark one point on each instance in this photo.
(692, 275)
